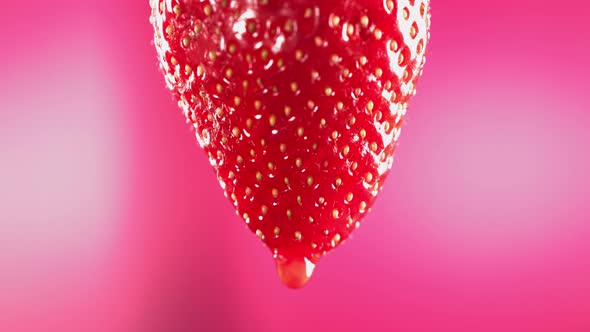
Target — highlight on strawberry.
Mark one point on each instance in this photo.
(298, 104)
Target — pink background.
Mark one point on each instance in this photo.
(111, 220)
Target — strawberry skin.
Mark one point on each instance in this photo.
(298, 104)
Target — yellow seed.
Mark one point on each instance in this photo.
(365, 21)
(389, 4)
(336, 239)
(186, 41)
(251, 27)
(363, 206)
(335, 213)
(277, 231)
(287, 111)
(318, 41)
(310, 180)
(264, 210)
(349, 197)
(363, 133)
(264, 55)
(378, 116)
(298, 55)
(275, 193)
(350, 29)
(335, 59)
(378, 72)
(406, 13)
(393, 45)
(363, 60)
(177, 10)
(345, 150)
(258, 176)
(374, 146)
(289, 25)
(207, 10)
(236, 131)
(298, 236)
(272, 120)
(378, 34)
(314, 75)
(335, 20)
(298, 162)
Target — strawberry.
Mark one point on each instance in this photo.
(298, 104)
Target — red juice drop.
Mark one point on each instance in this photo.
(295, 272)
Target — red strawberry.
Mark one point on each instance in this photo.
(299, 104)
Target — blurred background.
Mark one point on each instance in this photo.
(111, 219)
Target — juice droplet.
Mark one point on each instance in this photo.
(294, 272)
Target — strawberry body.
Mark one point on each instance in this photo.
(298, 104)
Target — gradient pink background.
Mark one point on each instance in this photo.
(111, 220)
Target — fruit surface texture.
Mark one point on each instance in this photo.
(298, 104)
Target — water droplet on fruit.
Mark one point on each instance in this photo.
(294, 272)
